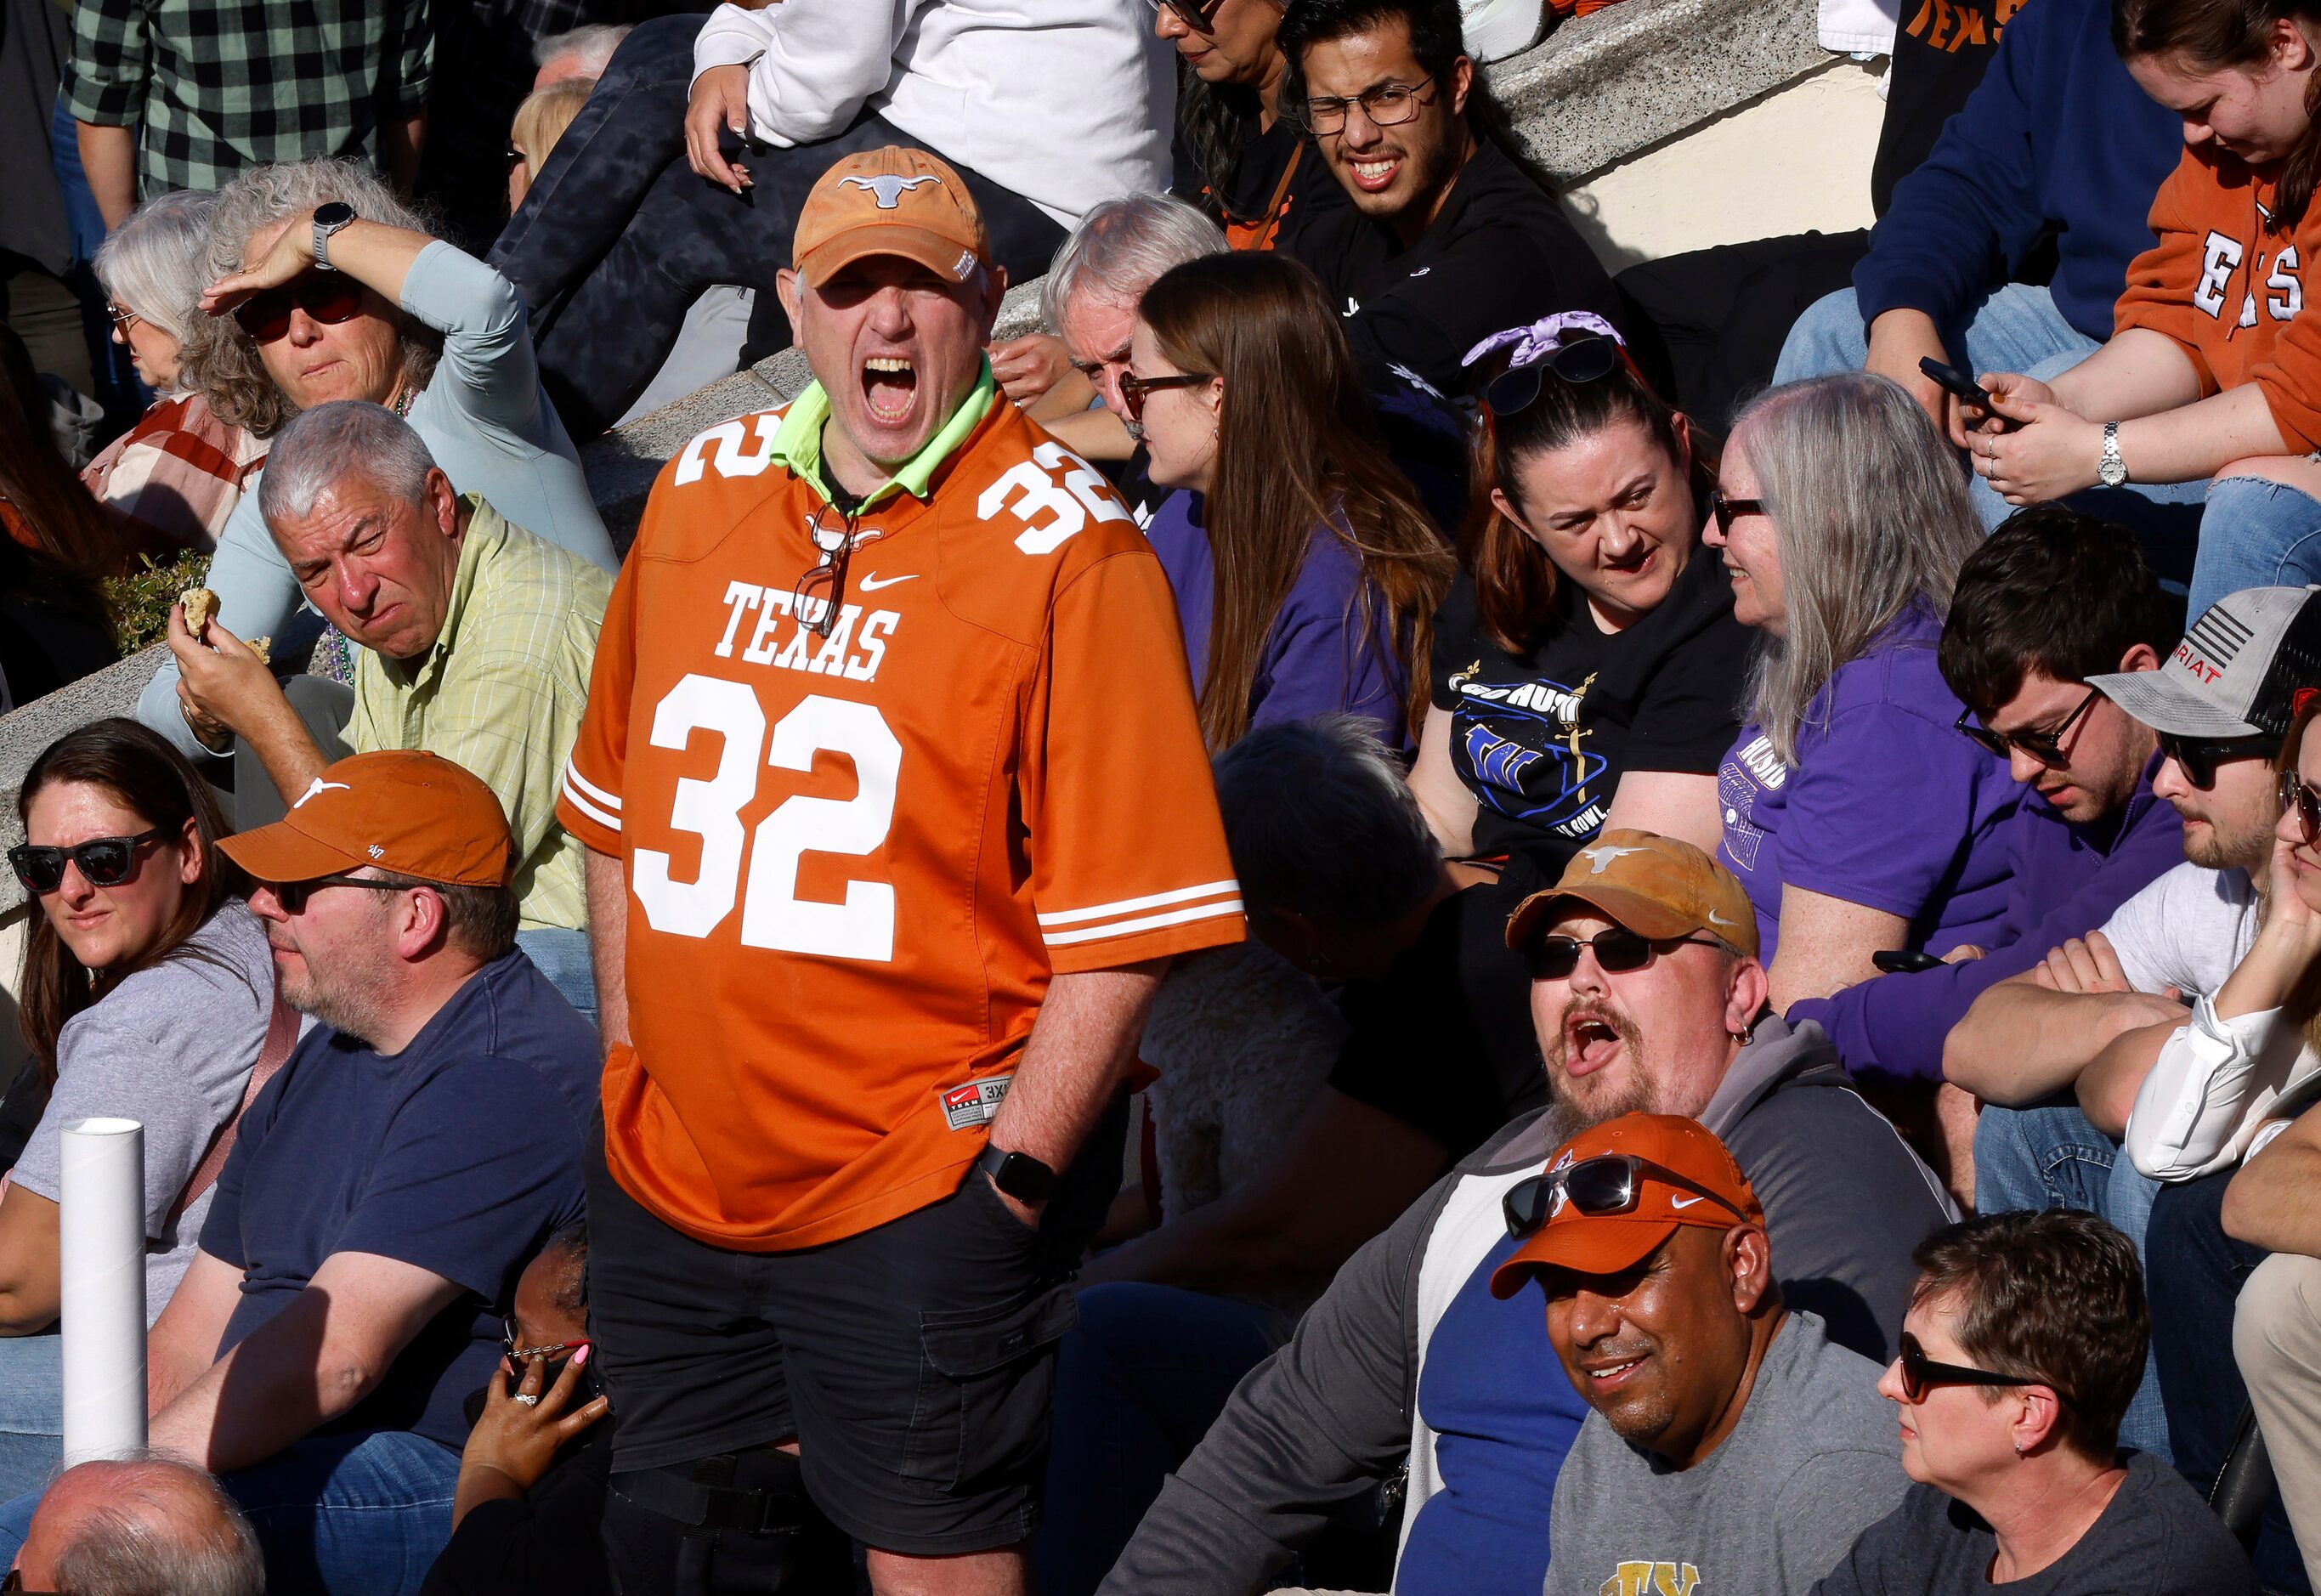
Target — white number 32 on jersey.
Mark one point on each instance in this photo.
(1051, 511)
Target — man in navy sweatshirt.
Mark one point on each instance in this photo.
(2052, 599)
(2057, 141)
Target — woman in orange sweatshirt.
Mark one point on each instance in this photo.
(2214, 368)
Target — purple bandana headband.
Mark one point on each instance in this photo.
(1539, 340)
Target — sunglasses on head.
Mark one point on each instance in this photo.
(102, 861)
(1608, 1183)
(1617, 949)
(294, 895)
(330, 298)
(1921, 1373)
(2046, 747)
(2199, 756)
(1589, 358)
(1132, 389)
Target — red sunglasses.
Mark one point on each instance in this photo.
(329, 298)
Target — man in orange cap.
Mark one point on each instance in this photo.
(897, 806)
(1732, 1446)
(386, 1186)
(1647, 995)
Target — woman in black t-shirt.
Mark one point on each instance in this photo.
(1588, 673)
(1234, 154)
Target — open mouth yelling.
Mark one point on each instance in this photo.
(1590, 1043)
(1374, 175)
(890, 389)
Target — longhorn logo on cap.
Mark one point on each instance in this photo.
(888, 188)
(320, 786)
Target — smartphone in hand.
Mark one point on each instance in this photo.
(1902, 962)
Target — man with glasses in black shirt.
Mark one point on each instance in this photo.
(1647, 995)
(1445, 232)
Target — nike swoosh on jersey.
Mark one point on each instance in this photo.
(871, 584)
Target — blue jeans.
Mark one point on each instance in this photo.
(2017, 329)
(1139, 1381)
(2194, 1281)
(363, 1515)
(563, 956)
(2255, 534)
(2050, 1157)
(32, 1411)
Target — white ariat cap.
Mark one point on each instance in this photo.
(2237, 670)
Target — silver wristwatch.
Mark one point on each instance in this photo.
(2111, 470)
(330, 218)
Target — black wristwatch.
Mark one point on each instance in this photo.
(330, 218)
(1018, 1174)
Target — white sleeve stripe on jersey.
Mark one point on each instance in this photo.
(581, 801)
(1103, 911)
(1204, 911)
(573, 777)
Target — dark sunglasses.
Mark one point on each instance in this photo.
(104, 862)
(328, 298)
(1727, 509)
(2201, 756)
(2296, 794)
(1921, 1373)
(1589, 358)
(1132, 389)
(1199, 16)
(2046, 747)
(1552, 958)
(294, 895)
(1607, 1183)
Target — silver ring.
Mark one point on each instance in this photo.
(527, 1401)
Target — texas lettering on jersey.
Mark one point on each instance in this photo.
(860, 843)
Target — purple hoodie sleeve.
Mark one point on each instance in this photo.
(1894, 1025)
(1317, 660)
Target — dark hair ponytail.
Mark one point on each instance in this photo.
(153, 782)
(2212, 35)
(1515, 580)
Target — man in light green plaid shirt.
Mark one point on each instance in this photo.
(476, 642)
(187, 94)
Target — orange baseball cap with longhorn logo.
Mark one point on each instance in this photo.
(412, 813)
(893, 201)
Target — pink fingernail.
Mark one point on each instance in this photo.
(580, 1358)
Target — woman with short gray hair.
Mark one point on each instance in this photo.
(181, 470)
(1857, 814)
(327, 286)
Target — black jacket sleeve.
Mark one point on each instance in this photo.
(1312, 1428)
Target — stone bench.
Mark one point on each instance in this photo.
(1596, 92)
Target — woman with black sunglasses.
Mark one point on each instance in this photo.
(146, 993)
(1587, 672)
(2024, 1341)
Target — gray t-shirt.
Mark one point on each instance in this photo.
(2156, 1538)
(170, 1047)
(1814, 1461)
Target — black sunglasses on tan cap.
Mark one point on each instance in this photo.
(105, 861)
(1609, 1183)
(1921, 1373)
(2046, 747)
(329, 299)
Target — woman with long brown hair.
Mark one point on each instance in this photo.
(1588, 672)
(147, 994)
(1306, 572)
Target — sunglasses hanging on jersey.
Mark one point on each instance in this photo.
(834, 546)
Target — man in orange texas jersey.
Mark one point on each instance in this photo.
(897, 806)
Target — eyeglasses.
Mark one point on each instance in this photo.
(119, 317)
(1607, 1183)
(1921, 1373)
(1389, 105)
(327, 297)
(104, 862)
(1199, 16)
(1586, 358)
(2046, 747)
(524, 1354)
(1132, 389)
(2199, 756)
(834, 546)
(1552, 958)
(2296, 794)
(293, 895)
(1727, 509)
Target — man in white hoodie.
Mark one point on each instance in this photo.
(688, 165)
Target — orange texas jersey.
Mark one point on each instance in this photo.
(853, 863)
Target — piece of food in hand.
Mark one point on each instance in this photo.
(201, 604)
(263, 647)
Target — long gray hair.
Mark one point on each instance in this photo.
(219, 359)
(156, 264)
(1870, 515)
